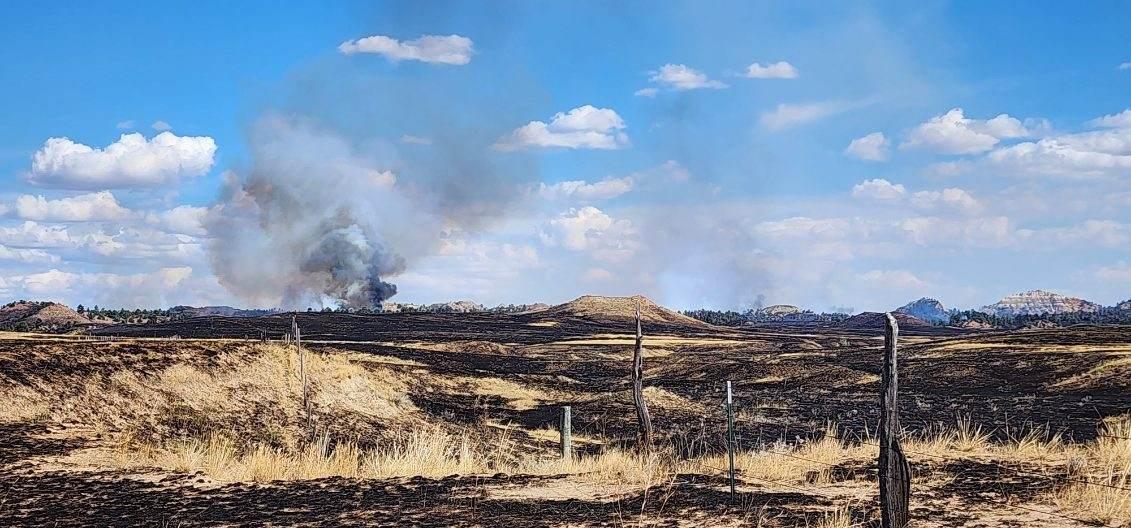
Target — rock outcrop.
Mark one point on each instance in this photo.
(927, 309)
(777, 310)
(1038, 302)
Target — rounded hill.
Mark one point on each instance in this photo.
(602, 308)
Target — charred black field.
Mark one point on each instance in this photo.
(1065, 378)
(200, 422)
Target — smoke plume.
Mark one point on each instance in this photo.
(320, 220)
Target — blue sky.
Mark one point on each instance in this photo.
(834, 155)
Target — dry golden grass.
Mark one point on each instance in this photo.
(21, 404)
(1035, 445)
(429, 453)
(966, 437)
(550, 435)
(518, 396)
(769, 379)
(1101, 504)
(664, 399)
(838, 518)
(227, 445)
(628, 469)
(220, 458)
(809, 463)
(1106, 461)
(656, 340)
(435, 452)
(1021, 347)
(245, 380)
(1099, 472)
(1114, 369)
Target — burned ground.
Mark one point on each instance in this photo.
(515, 371)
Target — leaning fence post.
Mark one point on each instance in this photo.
(894, 472)
(565, 430)
(730, 436)
(642, 417)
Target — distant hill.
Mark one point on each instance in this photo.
(223, 311)
(599, 308)
(31, 316)
(1125, 305)
(1037, 302)
(927, 309)
(877, 320)
(533, 308)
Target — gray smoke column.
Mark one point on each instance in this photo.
(314, 221)
(352, 265)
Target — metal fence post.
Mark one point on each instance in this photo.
(730, 436)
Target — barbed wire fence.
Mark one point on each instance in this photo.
(895, 483)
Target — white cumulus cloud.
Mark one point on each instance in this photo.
(31, 256)
(803, 227)
(583, 190)
(183, 219)
(879, 189)
(99, 206)
(436, 49)
(132, 161)
(1120, 120)
(137, 289)
(583, 127)
(682, 77)
(994, 232)
(777, 70)
(872, 147)
(1076, 156)
(591, 230)
(953, 198)
(1106, 233)
(34, 234)
(954, 133)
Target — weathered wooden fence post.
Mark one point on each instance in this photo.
(642, 416)
(566, 431)
(302, 376)
(894, 471)
(730, 436)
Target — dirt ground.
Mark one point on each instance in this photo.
(516, 371)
